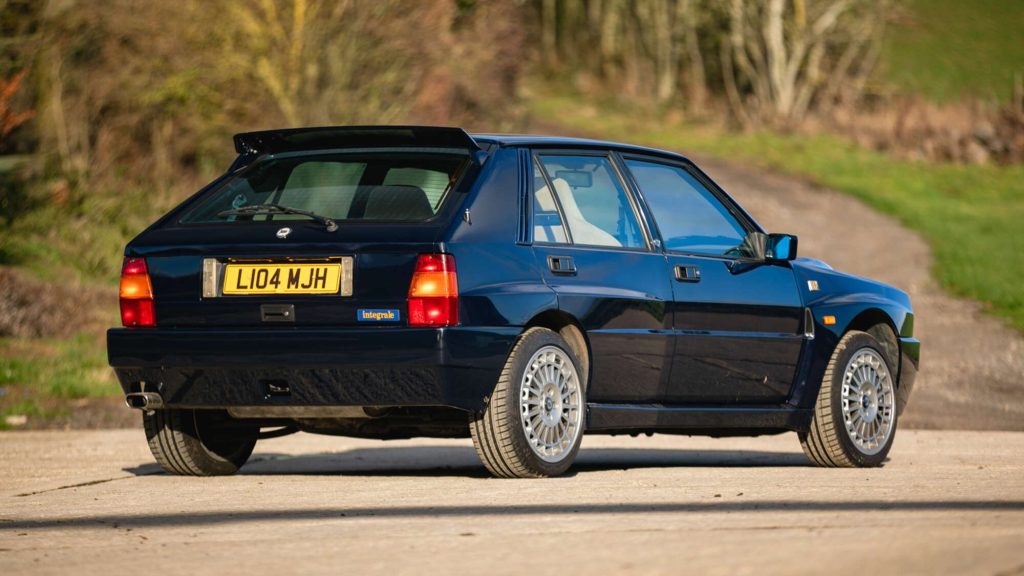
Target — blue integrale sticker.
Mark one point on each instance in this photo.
(368, 315)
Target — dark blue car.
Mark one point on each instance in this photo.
(391, 282)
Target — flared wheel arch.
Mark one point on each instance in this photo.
(880, 325)
(571, 331)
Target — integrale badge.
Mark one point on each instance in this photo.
(391, 315)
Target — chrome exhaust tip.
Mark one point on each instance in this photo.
(144, 400)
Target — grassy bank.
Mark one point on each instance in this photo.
(41, 378)
(60, 259)
(950, 49)
(972, 216)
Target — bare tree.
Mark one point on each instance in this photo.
(697, 85)
(787, 53)
(647, 48)
(324, 61)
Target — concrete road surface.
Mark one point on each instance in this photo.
(94, 503)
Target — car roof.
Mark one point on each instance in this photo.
(540, 141)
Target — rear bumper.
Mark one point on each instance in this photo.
(225, 368)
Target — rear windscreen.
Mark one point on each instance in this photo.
(408, 187)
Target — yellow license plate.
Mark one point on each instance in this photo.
(323, 278)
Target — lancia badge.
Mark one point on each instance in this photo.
(284, 232)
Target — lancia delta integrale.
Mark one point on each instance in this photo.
(392, 282)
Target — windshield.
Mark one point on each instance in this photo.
(405, 186)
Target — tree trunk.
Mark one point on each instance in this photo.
(549, 32)
(697, 84)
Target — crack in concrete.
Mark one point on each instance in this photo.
(78, 485)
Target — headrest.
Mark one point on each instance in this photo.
(397, 203)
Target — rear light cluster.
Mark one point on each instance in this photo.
(434, 292)
(136, 294)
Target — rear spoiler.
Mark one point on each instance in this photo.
(331, 137)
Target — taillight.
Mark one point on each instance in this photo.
(136, 294)
(434, 292)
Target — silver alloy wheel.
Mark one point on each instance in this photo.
(549, 404)
(868, 401)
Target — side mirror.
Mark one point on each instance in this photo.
(780, 247)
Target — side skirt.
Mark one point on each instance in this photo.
(694, 419)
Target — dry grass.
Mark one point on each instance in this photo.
(32, 308)
(910, 127)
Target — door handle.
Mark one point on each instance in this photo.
(687, 273)
(562, 265)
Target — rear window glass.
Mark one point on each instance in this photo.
(407, 187)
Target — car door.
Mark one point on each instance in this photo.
(737, 320)
(597, 256)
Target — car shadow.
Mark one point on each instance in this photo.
(441, 461)
(199, 517)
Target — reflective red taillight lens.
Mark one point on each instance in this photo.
(136, 294)
(434, 291)
(137, 313)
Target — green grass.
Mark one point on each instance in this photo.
(972, 216)
(949, 49)
(83, 234)
(40, 377)
(68, 235)
(10, 162)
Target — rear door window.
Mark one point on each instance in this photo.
(547, 222)
(401, 186)
(593, 201)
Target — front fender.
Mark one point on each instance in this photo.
(850, 302)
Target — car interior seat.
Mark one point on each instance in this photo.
(397, 203)
(583, 231)
(543, 230)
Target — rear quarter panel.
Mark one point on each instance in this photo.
(499, 283)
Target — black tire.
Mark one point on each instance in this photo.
(828, 442)
(198, 442)
(498, 433)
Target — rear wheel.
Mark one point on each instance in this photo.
(854, 420)
(533, 425)
(198, 442)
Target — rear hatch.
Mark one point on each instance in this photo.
(237, 254)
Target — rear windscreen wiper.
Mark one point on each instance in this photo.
(253, 209)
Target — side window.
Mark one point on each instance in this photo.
(593, 201)
(547, 223)
(689, 216)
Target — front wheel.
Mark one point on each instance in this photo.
(198, 442)
(533, 424)
(854, 420)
